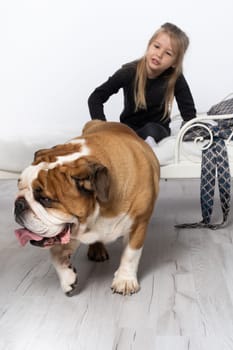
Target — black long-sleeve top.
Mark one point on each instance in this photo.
(155, 91)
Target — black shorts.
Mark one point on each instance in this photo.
(155, 130)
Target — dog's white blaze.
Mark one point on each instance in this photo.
(31, 172)
(105, 229)
(71, 157)
(28, 175)
(81, 141)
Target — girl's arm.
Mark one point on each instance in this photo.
(184, 99)
(102, 93)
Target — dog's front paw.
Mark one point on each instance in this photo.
(125, 285)
(69, 280)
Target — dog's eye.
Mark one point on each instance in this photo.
(45, 201)
(42, 199)
(37, 190)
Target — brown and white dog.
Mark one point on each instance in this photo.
(93, 189)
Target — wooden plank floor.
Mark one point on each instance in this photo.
(185, 301)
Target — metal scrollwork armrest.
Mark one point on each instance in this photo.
(203, 139)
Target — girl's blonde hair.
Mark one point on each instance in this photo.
(180, 42)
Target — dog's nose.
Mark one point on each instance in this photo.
(20, 206)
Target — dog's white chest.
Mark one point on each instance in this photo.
(105, 229)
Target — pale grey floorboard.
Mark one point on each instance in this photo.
(185, 301)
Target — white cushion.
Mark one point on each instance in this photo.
(17, 147)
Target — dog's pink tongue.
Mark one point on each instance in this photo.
(24, 236)
(65, 236)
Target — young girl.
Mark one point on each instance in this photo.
(150, 85)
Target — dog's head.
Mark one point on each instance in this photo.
(61, 189)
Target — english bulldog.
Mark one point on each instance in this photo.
(93, 189)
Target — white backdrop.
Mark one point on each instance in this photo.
(54, 53)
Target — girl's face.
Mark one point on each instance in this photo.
(160, 55)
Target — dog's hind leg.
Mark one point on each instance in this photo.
(61, 255)
(97, 252)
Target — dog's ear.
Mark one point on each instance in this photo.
(101, 182)
(93, 177)
(37, 155)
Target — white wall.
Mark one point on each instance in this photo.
(54, 53)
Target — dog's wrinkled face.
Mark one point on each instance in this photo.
(54, 196)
